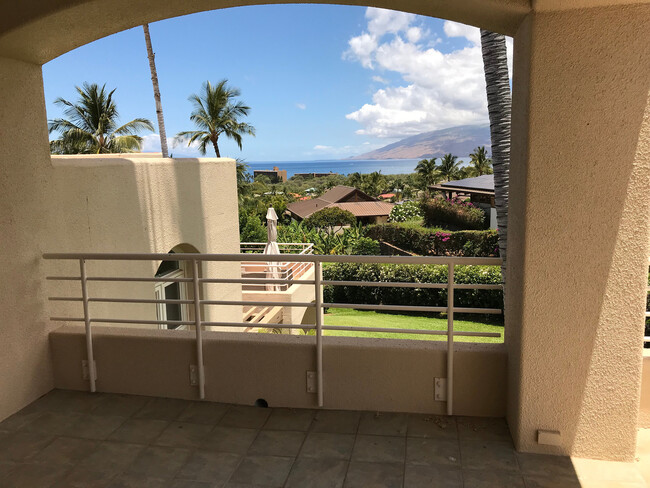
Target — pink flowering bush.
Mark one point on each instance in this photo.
(452, 212)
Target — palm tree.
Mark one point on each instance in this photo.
(497, 82)
(243, 176)
(480, 164)
(449, 168)
(91, 125)
(428, 172)
(355, 180)
(374, 183)
(156, 92)
(216, 113)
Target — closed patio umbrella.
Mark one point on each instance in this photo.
(273, 269)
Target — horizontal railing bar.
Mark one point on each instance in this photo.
(257, 303)
(257, 281)
(123, 300)
(489, 311)
(144, 322)
(141, 300)
(409, 331)
(477, 286)
(297, 258)
(398, 284)
(384, 284)
(161, 279)
(259, 325)
(67, 319)
(396, 308)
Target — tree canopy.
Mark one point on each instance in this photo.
(91, 125)
(217, 113)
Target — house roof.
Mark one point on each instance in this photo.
(336, 197)
(337, 193)
(482, 184)
(366, 209)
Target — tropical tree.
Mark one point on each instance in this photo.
(449, 167)
(216, 113)
(91, 125)
(373, 183)
(480, 164)
(243, 176)
(497, 83)
(428, 172)
(156, 92)
(355, 180)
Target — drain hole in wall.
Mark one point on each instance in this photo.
(260, 402)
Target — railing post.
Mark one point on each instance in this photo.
(92, 375)
(319, 329)
(450, 339)
(199, 328)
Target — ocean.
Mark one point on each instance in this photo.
(342, 166)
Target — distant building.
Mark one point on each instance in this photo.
(276, 175)
(364, 207)
(386, 196)
(314, 175)
(480, 191)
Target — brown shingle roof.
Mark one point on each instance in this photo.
(333, 197)
(366, 209)
(335, 194)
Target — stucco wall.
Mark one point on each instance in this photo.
(577, 237)
(359, 374)
(141, 204)
(130, 205)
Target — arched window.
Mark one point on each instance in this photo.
(173, 290)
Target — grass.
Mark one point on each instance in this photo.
(364, 318)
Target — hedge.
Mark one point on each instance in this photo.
(452, 212)
(406, 273)
(436, 242)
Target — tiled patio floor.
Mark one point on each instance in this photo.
(74, 439)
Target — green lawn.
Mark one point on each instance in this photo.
(365, 318)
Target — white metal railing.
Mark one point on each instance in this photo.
(312, 259)
(286, 270)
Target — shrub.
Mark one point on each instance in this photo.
(437, 242)
(435, 297)
(402, 212)
(365, 246)
(330, 217)
(452, 212)
(251, 228)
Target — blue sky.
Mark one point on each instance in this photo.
(323, 82)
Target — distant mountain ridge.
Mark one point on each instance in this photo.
(459, 141)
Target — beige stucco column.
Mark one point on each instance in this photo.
(578, 235)
(24, 355)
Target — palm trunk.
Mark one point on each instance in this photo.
(216, 148)
(156, 92)
(497, 82)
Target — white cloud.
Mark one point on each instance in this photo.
(319, 147)
(379, 79)
(301, 106)
(439, 89)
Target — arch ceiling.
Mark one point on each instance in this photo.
(38, 31)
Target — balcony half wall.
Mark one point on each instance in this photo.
(359, 374)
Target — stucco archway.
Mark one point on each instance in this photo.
(41, 32)
(577, 280)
